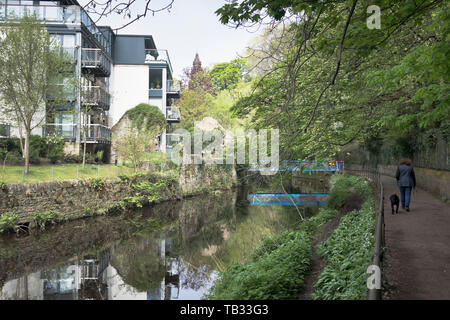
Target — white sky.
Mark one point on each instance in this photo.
(190, 27)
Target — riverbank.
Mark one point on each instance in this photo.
(40, 204)
(280, 264)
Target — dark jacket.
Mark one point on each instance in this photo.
(405, 176)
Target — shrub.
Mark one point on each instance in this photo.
(42, 219)
(97, 183)
(38, 146)
(348, 251)
(72, 158)
(276, 273)
(8, 221)
(55, 148)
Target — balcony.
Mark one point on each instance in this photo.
(96, 97)
(59, 93)
(173, 114)
(50, 14)
(66, 131)
(96, 133)
(156, 56)
(173, 89)
(172, 139)
(95, 61)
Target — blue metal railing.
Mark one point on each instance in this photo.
(290, 199)
(308, 166)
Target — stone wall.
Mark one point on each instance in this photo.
(437, 182)
(83, 198)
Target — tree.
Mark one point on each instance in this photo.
(131, 10)
(324, 95)
(225, 75)
(32, 71)
(139, 139)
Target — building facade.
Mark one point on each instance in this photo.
(116, 73)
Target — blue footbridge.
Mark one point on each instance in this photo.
(305, 166)
(288, 199)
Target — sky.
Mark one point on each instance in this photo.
(191, 26)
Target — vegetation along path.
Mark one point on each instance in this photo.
(418, 252)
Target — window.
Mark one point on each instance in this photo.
(4, 130)
(155, 79)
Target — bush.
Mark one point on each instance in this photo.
(55, 147)
(13, 157)
(38, 146)
(8, 221)
(348, 251)
(343, 187)
(34, 156)
(42, 219)
(71, 158)
(276, 273)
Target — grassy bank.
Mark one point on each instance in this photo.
(13, 174)
(279, 264)
(347, 253)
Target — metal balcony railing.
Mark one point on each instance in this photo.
(50, 13)
(61, 92)
(173, 87)
(95, 59)
(96, 96)
(158, 55)
(96, 133)
(56, 14)
(173, 114)
(66, 131)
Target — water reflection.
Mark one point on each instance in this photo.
(169, 251)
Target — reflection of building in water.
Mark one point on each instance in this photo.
(170, 285)
(83, 279)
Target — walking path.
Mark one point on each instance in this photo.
(418, 246)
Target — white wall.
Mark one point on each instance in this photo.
(129, 87)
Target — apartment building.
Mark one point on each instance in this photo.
(116, 72)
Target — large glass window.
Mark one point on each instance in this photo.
(155, 79)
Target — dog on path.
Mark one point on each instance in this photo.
(395, 201)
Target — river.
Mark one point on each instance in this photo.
(172, 250)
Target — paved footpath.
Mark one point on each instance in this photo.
(418, 246)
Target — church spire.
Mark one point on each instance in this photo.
(197, 65)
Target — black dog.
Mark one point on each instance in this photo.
(395, 201)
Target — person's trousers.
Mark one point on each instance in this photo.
(405, 196)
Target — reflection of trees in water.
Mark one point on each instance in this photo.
(139, 264)
(195, 277)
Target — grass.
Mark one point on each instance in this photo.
(13, 174)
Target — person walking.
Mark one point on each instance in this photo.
(406, 181)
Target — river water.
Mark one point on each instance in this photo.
(172, 250)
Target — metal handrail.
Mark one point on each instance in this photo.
(173, 87)
(95, 58)
(374, 176)
(173, 113)
(158, 55)
(96, 95)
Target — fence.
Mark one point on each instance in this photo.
(374, 177)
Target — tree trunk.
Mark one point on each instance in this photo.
(27, 151)
(21, 139)
(84, 149)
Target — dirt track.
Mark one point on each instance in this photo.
(418, 247)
